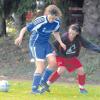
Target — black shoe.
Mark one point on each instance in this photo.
(45, 88)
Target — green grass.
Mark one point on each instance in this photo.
(59, 91)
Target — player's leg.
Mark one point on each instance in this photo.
(81, 80)
(61, 68)
(72, 64)
(37, 76)
(55, 75)
(39, 55)
(51, 59)
(49, 69)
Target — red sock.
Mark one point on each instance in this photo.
(81, 79)
(54, 77)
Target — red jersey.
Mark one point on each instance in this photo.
(73, 47)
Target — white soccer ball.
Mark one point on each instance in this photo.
(4, 86)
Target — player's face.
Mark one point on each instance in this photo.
(51, 18)
(72, 34)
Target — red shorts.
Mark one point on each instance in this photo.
(71, 64)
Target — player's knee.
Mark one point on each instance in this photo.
(39, 67)
(81, 71)
(52, 63)
(39, 70)
(61, 70)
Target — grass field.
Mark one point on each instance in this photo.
(59, 91)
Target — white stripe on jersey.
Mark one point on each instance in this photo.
(36, 39)
(37, 59)
(35, 52)
(31, 48)
(57, 27)
(39, 22)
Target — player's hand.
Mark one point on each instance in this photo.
(18, 41)
(63, 46)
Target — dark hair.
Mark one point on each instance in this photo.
(76, 27)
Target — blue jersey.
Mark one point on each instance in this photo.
(41, 29)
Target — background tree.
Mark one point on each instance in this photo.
(15, 9)
(91, 24)
(6, 8)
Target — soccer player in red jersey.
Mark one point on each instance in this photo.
(67, 59)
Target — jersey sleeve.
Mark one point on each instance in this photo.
(36, 23)
(57, 28)
(89, 45)
(30, 26)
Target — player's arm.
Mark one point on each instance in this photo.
(89, 45)
(28, 28)
(56, 45)
(18, 40)
(58, 38)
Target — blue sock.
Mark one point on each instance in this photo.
(36, 81)
(45, 76)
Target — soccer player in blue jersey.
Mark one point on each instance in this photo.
(41, 29)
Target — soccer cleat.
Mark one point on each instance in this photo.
(83, 91)
(45, 88)
(35, 92)
(43, 85)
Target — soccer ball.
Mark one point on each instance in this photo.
(4, 86)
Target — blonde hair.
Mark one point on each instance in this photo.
(53, 10)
